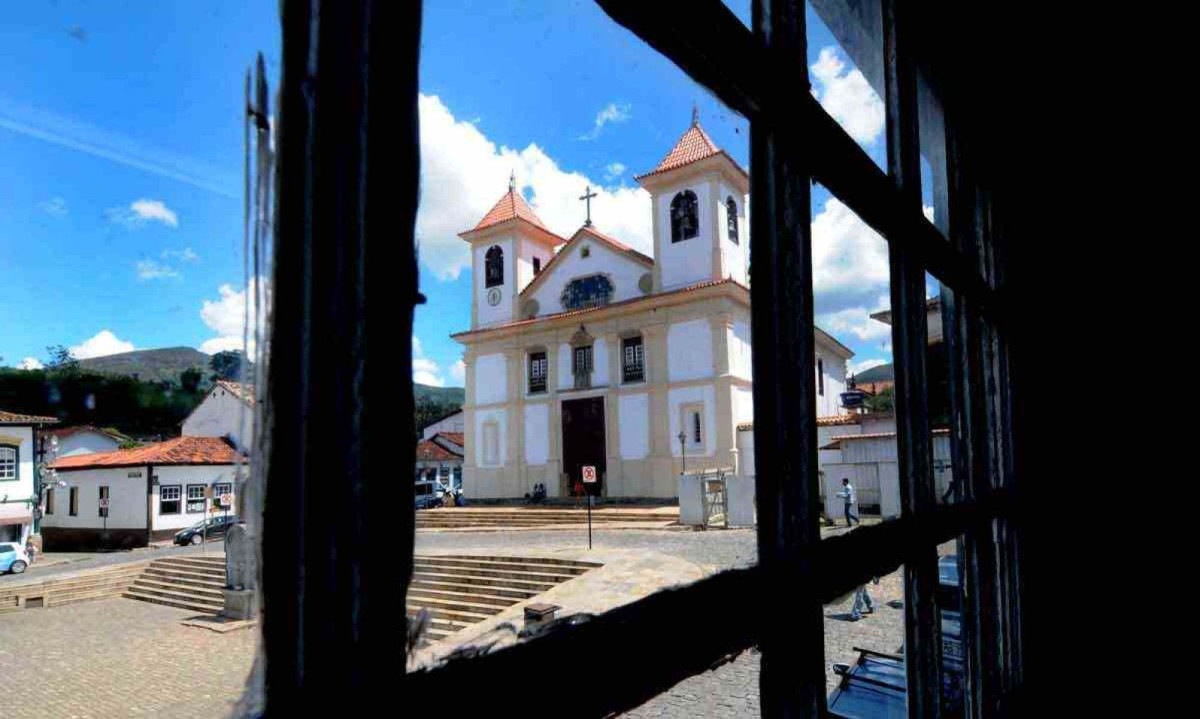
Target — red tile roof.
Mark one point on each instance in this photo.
(832, 420)
(17, 418)
(430, 450)
(512, 205)
(693, 146)
(64, 432)
(456, 437)
(181, 450)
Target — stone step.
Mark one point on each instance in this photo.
(56, 600)
(463, 603)
(205, 564)
(54, 585)
(153, 585)
(474, 595)
(197, 599)
(508, 558)
(445, 627)
(518, 564)
(510, 594)
(433, 575)
(424, 566)
(461, 616)
(180, 576)
(172, 602)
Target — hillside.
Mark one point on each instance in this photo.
(149, 365)
(440, 395)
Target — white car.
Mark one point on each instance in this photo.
(13, 558)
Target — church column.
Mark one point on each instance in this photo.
(725, 432)
(470, 476)
(615, 484)
(514, 465)
(662, 472)
(720, 271)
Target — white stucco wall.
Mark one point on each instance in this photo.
(680, 396)
(86, 443)
(487, 314)
(565, 379)
(183, 476)
(537, 433)
(221, 414)
(743, 405)
(126, 495)
(834, 368)
(491, 379)
(735, 255)
(22, 488)
(623, 272)
(690, 261)
(500, 417)
(599, 362)
(526, 251)
(454, 423)
(633, 414)
(689, 350)
(741, 358)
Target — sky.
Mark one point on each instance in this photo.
(121, 139)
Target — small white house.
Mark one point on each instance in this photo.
(454, 423)
(151, 492)
(227, 411)
(19, 438)
(84, 439)
(440, 458)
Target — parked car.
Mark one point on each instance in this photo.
(195, 534)
(428, 495)
(13, 558)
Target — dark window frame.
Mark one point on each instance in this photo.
(50, 501)
(731, 219)
(188, 501)
(583, 364)
(104, 493)
(792, 143)
(178, 501)
(73, 505)
(820, 377)
(16, 462)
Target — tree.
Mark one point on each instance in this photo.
(883, 401)
(61, 360)
(189, 379)
(228, 365)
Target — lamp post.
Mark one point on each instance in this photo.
(682, 452)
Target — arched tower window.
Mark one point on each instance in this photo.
(685, 219)
(731, 218)
(493, 266)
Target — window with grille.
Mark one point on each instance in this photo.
(493, 262)
(633, 360)
(169, 498)
(685, 213)
(195, 498)
(538, 367)
(731, 219)
(582, 367)
(8, 463)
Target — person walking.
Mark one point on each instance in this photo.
(862, 601)
(847, 495)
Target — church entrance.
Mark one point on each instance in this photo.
(583, 441)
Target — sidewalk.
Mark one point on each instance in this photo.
(54, 564)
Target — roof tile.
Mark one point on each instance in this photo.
(181, 450)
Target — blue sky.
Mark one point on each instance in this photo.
(120, 222)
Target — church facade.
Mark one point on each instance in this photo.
(585, 352)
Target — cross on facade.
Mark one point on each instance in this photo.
(587, 197)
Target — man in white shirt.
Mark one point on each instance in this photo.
(847, 495)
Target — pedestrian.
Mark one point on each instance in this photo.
(862, 601)
(30, 550)
(847, 495)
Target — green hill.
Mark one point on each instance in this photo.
(149, 365)
(440, 395)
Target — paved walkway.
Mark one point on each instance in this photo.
(54, 564)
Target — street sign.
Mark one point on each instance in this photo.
(589, 474)
(226, 500)
(104, 503)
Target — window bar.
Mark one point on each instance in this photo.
(922, 631)
(339, 555)
(792, 678)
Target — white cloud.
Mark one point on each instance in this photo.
(928, 210)
(226, 317)
(850, 260)
(56, 206)
(184, 255)
(613, 170)
(458, 372)
(463, 174)
(142, 212)
(31, 363)
(101, 344)
(847, 97)
(151, 270)
(864, 365)
(612, 112)
(425, 370)
(854, 321)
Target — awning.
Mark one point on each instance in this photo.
(15, 513)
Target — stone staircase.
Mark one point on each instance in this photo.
(467, 517)
(192, 583)
(458, 590)
(101, 583)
